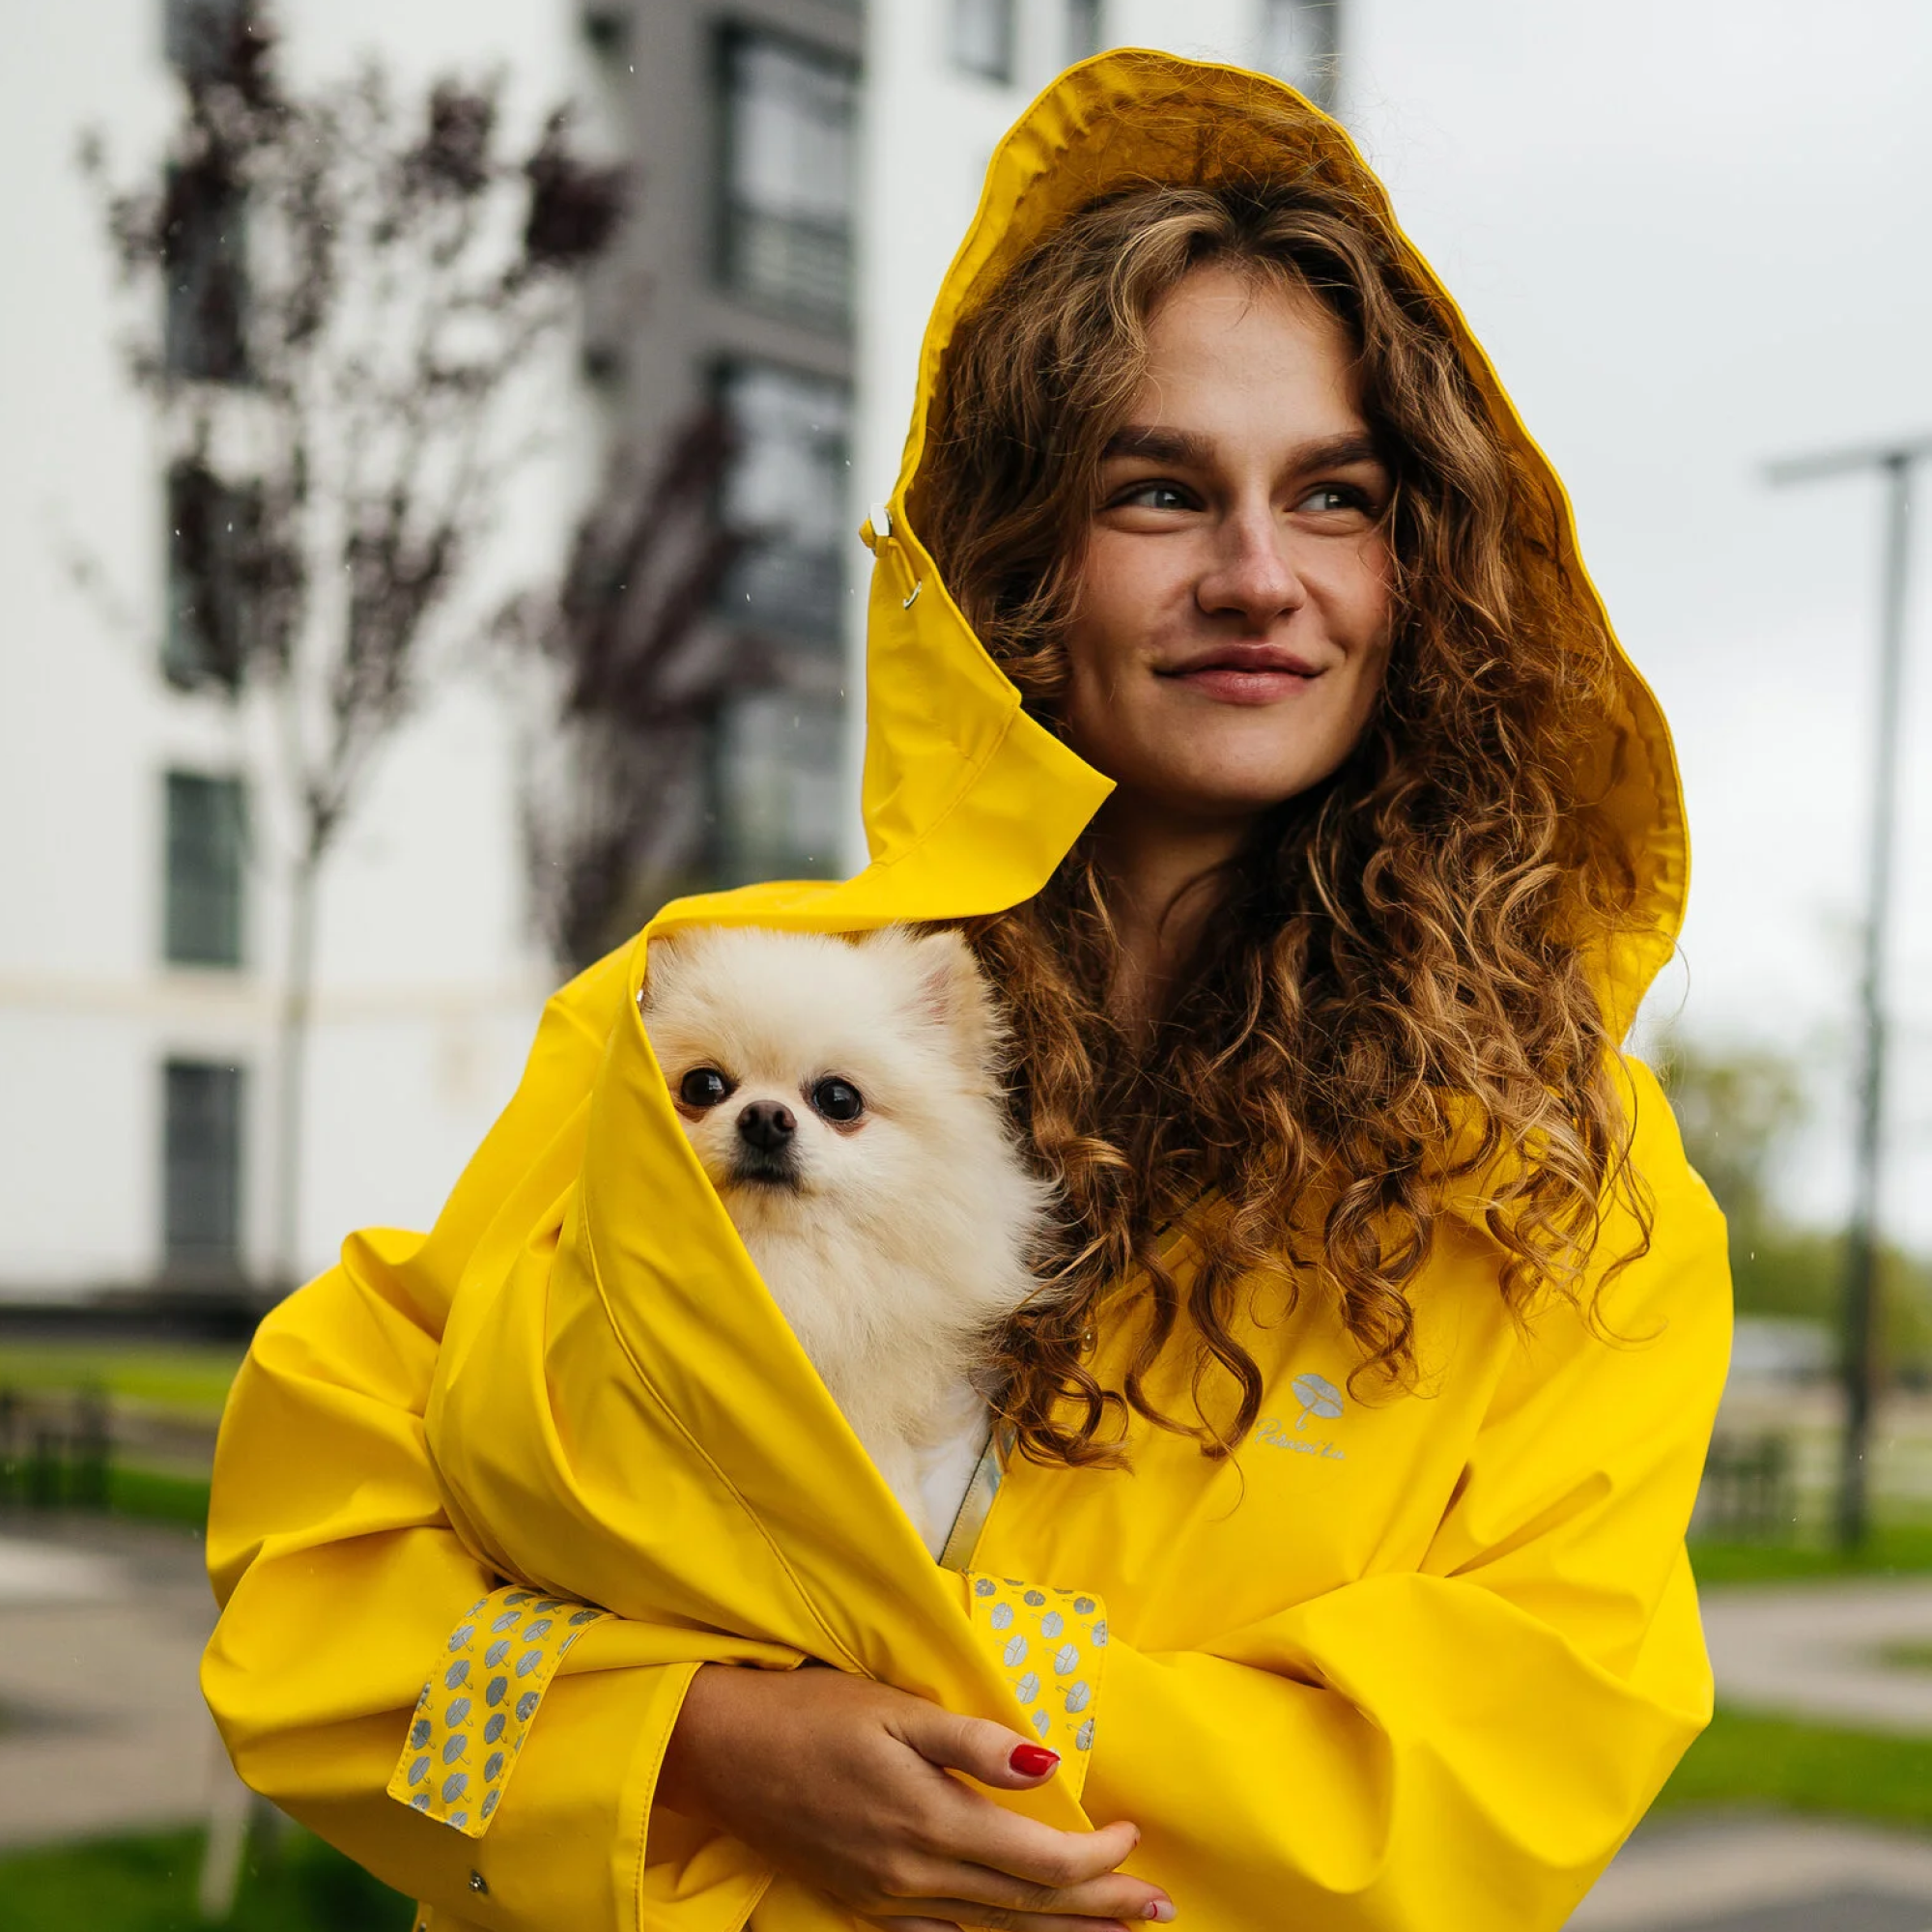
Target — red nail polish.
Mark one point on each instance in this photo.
(1032, 1760)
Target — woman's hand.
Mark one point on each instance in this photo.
(845, 1785)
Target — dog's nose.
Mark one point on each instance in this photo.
(767, 1125)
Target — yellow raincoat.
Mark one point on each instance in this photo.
(485, 1499)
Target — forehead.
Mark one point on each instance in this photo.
(1232, 350)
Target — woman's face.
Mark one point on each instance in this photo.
(1231, 614)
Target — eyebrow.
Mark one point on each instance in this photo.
(1155, 445)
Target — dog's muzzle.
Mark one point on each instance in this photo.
(767, 1144)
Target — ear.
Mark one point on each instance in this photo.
(953, 993)
(663, 957)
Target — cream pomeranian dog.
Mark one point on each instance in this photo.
(844, 1098)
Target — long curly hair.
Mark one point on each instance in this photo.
(1393, 995)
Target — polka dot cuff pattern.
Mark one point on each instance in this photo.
(1049, 1645)
(475, 1713)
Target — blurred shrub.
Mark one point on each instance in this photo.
(1739, 1109)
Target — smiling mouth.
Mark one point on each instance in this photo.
(1246, 660)
(1244, 675)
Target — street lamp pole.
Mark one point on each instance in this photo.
(1895, 461)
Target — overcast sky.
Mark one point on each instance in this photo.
(1694, 235)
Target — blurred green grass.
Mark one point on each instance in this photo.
(148, 1884)
(1747, 1759)
(188, 1381)
(1906, 1656)
(158, 1495)
(1894, 1548)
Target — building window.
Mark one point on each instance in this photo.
(207, 850)
(1301, 44)
(777, 753)
(780, 783)
(982, 38)
(205, 275)
(789, 135)
(1086, 28)
(607, 26)
(204, 237)
(201, 1159)
(215, 554)
(200, 36)
(784, 497)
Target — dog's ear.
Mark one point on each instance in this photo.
(952, 993)
(667, 959)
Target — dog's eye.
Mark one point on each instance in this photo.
(838, 1099)
(703, 1087)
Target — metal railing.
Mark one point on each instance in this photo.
(56, 1448)
(1749, 1495)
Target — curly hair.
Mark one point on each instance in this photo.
(1394, 995)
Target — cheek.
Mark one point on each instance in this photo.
(1351, 586)
(711, 1136)
(1127, 586)
(866, 1168)
(1116, 615)
(1374, 602)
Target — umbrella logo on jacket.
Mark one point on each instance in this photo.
(1317, 1395)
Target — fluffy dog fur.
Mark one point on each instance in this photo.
(895, 1242)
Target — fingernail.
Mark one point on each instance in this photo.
(1032, 1760)
(1161, 1910)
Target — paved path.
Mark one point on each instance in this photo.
(101, 1724)
(1766, 1873)
(1811, 1649)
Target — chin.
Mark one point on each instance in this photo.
(1230, 790)
(1246, 764)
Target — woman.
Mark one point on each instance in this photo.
(1346, 1489)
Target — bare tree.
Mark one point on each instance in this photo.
(639, 667)
(347, 292)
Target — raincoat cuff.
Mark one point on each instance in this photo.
(1049, 1646)
(476, 1708)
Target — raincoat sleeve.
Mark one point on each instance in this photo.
(1463, 1747)
(341, 1580)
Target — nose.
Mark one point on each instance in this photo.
(1251, 575)
(767, 1125)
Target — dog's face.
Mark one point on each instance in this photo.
(812, 1070)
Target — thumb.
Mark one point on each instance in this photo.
(1007, 1759)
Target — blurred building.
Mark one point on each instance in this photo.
(736, 290)
(142, 909)
(806, 170)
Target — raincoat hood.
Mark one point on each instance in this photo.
(1412, 1614)
(969, 803)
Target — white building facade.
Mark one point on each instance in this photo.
(144, 865)
(143, 889)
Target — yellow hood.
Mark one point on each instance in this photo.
(969, 804)
(1423, 1668)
